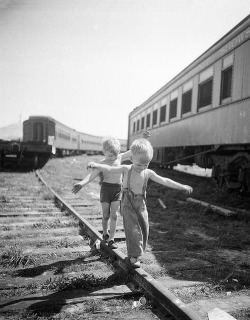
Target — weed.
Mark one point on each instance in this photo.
(32, 287)
(93, 306)
(7, 228)
(14, 256)
(83, 281)
(55, 224)
(3, 199)
(245, 265)
(47, 195)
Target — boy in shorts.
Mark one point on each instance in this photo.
(110, 193)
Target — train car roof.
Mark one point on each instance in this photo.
(86, 134)
(56, 121)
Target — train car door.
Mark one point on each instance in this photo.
(38, 131)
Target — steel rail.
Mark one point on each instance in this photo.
(162, 296)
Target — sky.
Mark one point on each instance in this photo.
(89, 63)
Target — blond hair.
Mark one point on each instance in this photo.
(141, 149)
(112, 145)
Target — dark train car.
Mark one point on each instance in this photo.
(45, 129)
(44, 136)
(63, 139)
(202, 115)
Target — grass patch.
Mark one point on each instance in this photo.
(7, 228)
(63, 243)
(83, 281)
(54, 225)
(47, 195)
(14, 257)
(86, 281)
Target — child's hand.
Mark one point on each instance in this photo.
(77, 187)
(188, 189)
(92, 165)
(146, 134)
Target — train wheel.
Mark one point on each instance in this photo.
(2, 156)
(221, 182)
(225, 184)
(220, 178)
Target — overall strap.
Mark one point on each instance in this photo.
(144, 188)
(129, 176)
(144, 184)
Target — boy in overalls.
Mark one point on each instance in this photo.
(133, 204)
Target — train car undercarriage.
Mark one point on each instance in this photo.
(23, 155)
(230, 164)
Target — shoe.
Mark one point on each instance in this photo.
(112, 244)
(105, 237)
(135, 263)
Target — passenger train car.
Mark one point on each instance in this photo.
(203, 114)
(44, 136)
(64, 140)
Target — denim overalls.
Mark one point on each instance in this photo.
(135, 219)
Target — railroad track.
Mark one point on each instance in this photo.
(51, 263)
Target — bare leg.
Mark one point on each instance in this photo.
(114, 207)
(105, 216)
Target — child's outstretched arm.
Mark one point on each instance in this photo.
(106, 168)
(91, 176)
(169, 183)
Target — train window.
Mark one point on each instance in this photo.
(142, 123)
(138, 125)
(206, 74)
(205, 93)
(173, 109)
(148, 120)
(163, 114)
(154, 117)
(186, 102)
(226, 83)
(134, 127)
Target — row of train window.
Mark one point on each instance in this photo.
(205, 90)
(91, 142)
(64, 136)
(40, 133)
(67, 137)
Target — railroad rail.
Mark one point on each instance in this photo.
(140, 281)
(141, 278)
